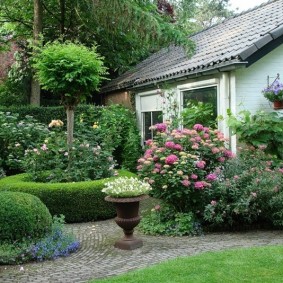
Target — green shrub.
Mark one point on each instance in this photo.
(165, 220)
(79, 202)
(249, 193)
(263, 128)
(22, 216)
(116, 127)
(17, 135)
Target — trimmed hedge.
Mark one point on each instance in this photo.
(79, 202)
(21, 216)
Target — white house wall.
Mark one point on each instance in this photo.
(252, 80)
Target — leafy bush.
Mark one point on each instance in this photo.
(17, 135)
(197, 112)
(116, 130)
(181, 165)
(263, 128)
(249, 193)
(113, 127)
(82, 162)
(79, 202)
(55, 244)
(22, 216)
(164, 220)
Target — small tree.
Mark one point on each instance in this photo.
(72, 71)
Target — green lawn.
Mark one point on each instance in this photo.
(258, 265)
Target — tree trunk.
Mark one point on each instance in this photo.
(62, 16)
(70, 125)
(37, 29)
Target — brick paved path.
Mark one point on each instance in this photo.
(98, 258)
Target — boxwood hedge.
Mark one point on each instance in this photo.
(79, 202)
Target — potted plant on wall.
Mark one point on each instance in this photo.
(126, 194)
(274, 93)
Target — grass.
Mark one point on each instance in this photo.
(252, 265)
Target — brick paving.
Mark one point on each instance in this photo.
(97, 258)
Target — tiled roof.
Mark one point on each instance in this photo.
(231, 42)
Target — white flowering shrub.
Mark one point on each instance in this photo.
(126, 187)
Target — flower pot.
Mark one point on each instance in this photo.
(278, 104)
(127, 218)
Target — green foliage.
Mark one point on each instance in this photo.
(126, 31)
(198, 113)
(22, 216)
(70, 70)
(82, 162)
(15, 89)
(164, 220)
(17, 135)
(260, 129)
(115, 128)
(248, 194)
(79, 202)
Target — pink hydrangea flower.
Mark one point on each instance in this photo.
(200, 164)
(221, 159)
(186, 183)
(194, 176)
(148, 142)
(158, 165)
(44, 147)
(199, 185)
(228, 153)
(170, 159)
(161, 127)
(211, 177)
(213, 202)
(170, 144)
(198, 127)
(215, 150)
(178, 147)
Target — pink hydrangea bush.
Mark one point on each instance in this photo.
(182, 164)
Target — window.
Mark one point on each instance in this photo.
(150, 118)
(200, 106)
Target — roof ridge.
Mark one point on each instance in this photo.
(235, 16)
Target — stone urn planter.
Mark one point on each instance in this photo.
(127, 218)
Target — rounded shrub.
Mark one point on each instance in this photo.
(23, 215)
(77, 201)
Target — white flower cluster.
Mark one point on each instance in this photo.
(126, 187)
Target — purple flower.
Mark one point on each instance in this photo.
(170, 159)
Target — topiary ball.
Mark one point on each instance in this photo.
(23, 216)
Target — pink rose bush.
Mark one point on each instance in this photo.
(182, 164)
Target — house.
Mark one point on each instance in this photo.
(233, 61)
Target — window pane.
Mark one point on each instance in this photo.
(149, 119)
(207, 95)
